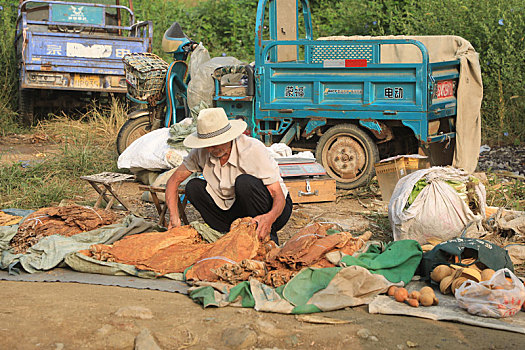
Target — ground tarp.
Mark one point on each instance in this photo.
(82, 263)
(51, 250)
(398, 262)
(447, 310)
(311, 290)
(68, 276)
(322, 289)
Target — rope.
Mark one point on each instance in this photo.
(100, 217)
(217, 258)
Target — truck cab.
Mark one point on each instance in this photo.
(69, 50)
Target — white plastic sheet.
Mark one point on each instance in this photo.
(201, 86)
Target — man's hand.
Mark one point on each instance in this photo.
(265, 221)
(174, 222)
(172, 194)
(264, 225)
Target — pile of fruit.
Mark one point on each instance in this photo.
(423, 297)
(482, 292)
(452, 277)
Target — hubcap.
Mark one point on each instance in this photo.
(345, 157)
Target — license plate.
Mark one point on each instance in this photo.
(444, 89)
(86, 81)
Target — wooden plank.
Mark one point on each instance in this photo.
(321, 190)
(162, 207)
(286, 29)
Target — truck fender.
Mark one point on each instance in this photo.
(416, 127)
(380, 130)
(312, 126)
(138, 113)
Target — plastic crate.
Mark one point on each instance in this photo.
(389, 171)
(145, 74)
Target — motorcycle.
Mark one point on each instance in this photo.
(159, 87)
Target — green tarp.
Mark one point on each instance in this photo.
(356, 282)
(398, 262)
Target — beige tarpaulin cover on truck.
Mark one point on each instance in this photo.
(469, 91)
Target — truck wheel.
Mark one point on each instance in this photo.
(348, 155)
(136, 126)
(26, 106)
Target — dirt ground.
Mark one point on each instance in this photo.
(78, 316)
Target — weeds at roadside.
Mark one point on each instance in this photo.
(100, 124)
(9, 122)
(380, 226)
(370, 190)
(506, 192)
(39, 184)
(87, 147)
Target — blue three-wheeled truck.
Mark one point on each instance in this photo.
(348, 99)
(70, 50)
(351, 100)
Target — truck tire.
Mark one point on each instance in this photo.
(348, 155)
(26, 106)
(137, 125)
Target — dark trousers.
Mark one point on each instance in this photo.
(252, 198)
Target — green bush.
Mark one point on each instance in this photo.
(8, 72)
(495, 29)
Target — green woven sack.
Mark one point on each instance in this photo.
(455, 250)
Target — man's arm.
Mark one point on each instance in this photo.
(265, 221)
(172, 194)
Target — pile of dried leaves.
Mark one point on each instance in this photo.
(65, 221)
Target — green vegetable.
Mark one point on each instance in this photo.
(418, 187)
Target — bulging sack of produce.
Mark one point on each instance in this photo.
(498, 297)
(152, 152)
(435, 204)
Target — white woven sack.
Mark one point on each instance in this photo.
(437, 212)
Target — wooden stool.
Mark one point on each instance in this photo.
(162, 207)
(107, 179)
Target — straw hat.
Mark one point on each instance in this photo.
(214, 128)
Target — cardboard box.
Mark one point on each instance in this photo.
(390, 170)
(311, 189)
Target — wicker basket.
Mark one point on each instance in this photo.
(145, 74)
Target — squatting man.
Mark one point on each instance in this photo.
(240, 178)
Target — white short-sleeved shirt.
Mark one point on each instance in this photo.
(248, 156)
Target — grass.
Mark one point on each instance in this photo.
(506, 192)
(9, 123)
(100, 124)
(86, 145)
